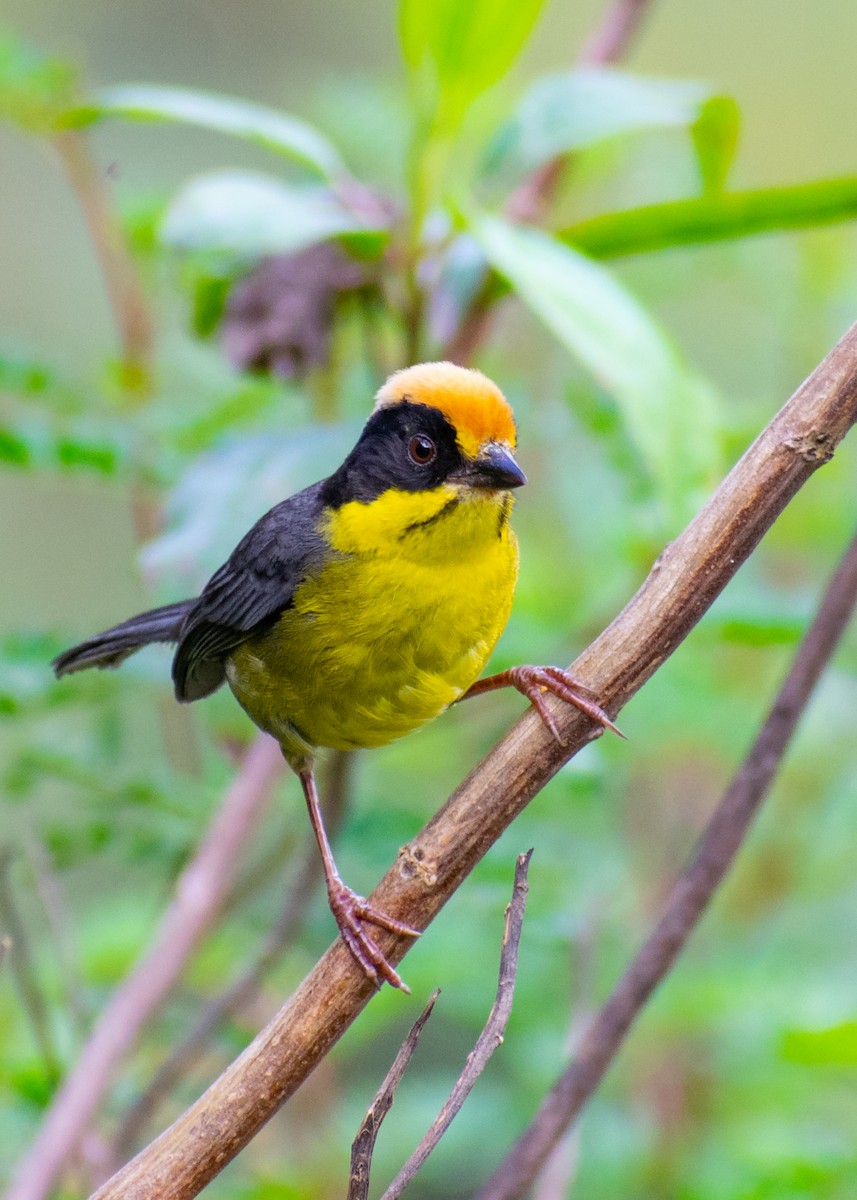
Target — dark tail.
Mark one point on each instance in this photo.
(112, 647)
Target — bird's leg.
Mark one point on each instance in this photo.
(533, 682)
(350, 910)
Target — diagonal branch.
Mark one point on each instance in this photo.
(684, 582)
(610, 42)
(689, 898)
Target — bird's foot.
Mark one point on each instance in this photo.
(533, 682)
(351, 912)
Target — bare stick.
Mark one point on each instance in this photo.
(489, 1039)
(5, 946)
(24, 971)
(614, 36)
(56, 910)
(689, 898)
(684, 582)
(363, 1146)
(243, 989)
(199, 893)
(127, 302)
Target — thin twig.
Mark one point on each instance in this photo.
(24, 971)
(363, 1146)
(5, 946)
(687, 578)
(715, 853)
(615, 35)
(245, 987)
(127, 301)
(199, 893)
(556, 1179)
(489, 1039)
(57, 912)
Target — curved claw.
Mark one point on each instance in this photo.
(350, 912)
(533, 682)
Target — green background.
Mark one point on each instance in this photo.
(740, 1079)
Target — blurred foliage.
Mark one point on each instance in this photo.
(740, 1079)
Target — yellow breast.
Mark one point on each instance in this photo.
(393, 629)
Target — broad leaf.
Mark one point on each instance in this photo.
(465, 48)
(667, 411)
(569, 112)
(244, 215)
(274, 130)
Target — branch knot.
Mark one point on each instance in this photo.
(413, 862)
(815, 446)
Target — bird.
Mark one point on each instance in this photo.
(362, 607)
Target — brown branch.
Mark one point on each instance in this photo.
(689, 899)
(363, 1146)
(199, 893)
(489, 1039)
(684, 582)
(613, 37)
(246, 986)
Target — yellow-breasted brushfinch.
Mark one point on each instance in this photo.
(365, 605)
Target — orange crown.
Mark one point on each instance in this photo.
(473, 405)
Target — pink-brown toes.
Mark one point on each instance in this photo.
(534, 681)
(350, 911)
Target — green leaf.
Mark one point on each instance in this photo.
(14, 450)
(76, 444)
(243, 215)
(715, 218)
(34, 88)
(37, 382)
(667, 411)
(835, 1046)
(569, 112)
(227, 488)
(209, 293)
(715, 136)
(277, 131)
(23, 377)
(464, 48)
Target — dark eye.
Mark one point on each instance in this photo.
(421, 450)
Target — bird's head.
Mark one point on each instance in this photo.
(436, 428)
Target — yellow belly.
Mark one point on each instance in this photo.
(385, 636)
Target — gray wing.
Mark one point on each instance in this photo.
(249, 592)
